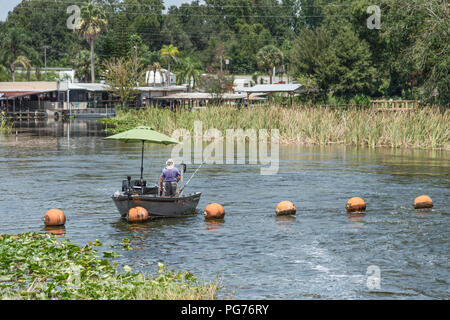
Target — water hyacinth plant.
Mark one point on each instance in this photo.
(425, 128)
(40, 267)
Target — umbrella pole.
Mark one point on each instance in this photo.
(142, 160)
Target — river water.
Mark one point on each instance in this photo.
(391, 252)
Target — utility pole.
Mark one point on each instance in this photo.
(45, 55)
(68, 101)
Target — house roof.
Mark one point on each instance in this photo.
(46, 86)
(273, 88)
(39, 86)
(168, 88)
(201, 95)
(87, 86)
(34, 87)
(14, 94)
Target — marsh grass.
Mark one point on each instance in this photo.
(40, 267)
(426, 128)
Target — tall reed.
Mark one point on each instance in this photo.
(427, 128)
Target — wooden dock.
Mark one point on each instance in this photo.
(26, 114)
(395, 105)
(62, 113)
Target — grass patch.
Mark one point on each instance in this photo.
(37, 266)
(426, 128)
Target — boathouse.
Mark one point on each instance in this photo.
(55, 97)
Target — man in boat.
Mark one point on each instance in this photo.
(169, 179)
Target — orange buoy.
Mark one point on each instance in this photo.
(214, 211)
(285, 208)
(137, 214)
(422, 202)
(54, 217)
(356, 204)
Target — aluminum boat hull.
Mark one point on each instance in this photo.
(158, 206)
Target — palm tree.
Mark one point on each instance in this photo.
(4, 73)
(14, 41)
(93, 20)
(269, 57)
(26, 64)
(169, 52)
(81, 63)
(190, 69)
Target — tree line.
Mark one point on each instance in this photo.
(328, 45)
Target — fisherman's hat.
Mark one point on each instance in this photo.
(169, 164)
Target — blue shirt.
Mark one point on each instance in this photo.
(170, 175)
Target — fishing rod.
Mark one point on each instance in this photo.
(185, 184)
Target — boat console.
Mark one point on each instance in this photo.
(137, 186)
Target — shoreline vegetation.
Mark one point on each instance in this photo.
(5, 126)
(422, 128)
(38, 266)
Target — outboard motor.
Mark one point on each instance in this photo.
(127, 186)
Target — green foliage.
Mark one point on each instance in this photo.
(40, 267)
(168, 54)
(81, 62)
(217, 85)
(269, 57)
(337, 61)
(325, 40)
(43, 22)
(123, 75)
(5, 125)
(14, 48)
(360, 100)
(418, 31)
(93, 21)
(189, 69)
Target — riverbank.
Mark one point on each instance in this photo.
(39, 267)
(426, 128)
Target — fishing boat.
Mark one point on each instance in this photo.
(136, 193)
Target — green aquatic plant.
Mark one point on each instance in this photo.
(5, 125)
(424, 128)
(41, 266)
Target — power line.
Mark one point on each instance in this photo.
(116, 14)
(187, 5)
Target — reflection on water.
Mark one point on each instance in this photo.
(285, 222)
(214, 224)
(59, 231)
(356, 217)
(321, 252)
(424, 213)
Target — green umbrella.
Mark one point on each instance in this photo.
(144, 134)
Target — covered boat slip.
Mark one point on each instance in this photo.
(258, 93)
(269, 89)
(198, 99)
(79, 99)
(49, 97)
